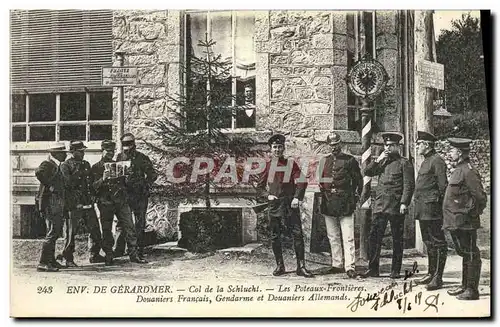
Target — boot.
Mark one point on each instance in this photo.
(431, 268)
(108, 259)
(472, 290)
(460, 289)
(437, 280)
(278, 255)
(134, 257)
(96, 258)
(301, 269)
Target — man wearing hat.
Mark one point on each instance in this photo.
(111, 197)
(338, 202)
(141, 178)
(278, 182)
(80, 204)
(428, 199)
(463, 203)
(50, 204)
(396, 183)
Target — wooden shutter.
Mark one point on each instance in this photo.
(58, 50)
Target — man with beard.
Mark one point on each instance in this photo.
(428, 199)
(283, 195)
(396, 183)
(141, 178)
(463, 203)
(112, 200)
(50, 204)
(338, 202)
(80, 204)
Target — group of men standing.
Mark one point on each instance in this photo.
(440, 204)
(70, 189)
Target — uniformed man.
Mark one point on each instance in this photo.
(141, 178)
(463, 203)
(338, 202)
(396, 183)
(80, 204)
(111, 197)
(283, 195)
(50, 204)
(428, 199)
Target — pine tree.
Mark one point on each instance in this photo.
(195, 129)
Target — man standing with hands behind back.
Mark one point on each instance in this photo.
(396, 183)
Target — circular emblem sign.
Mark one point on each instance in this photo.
(367, 78)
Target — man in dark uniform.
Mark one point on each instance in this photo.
(80, 204)
(50, 204)
(338, 202)
(396, 183)
(463, 203)
(283, 195)
(428, 199)
(111, 197)
(141, 178)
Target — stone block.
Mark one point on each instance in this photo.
(339, 22)
(314, 108)
(120, 27)
(278, 18)
(299, 57)
(144, 30)
(277, 88)
(322, 81)
(318, 22)
(387, 41)
(324, 93)
(173, 80)
(289, 94)
(340, 121)
(322, 57)
(152, 75)
(262, 25)
(305, 93)
(293, 121)
(262, 81)
(324, 121)
(153, 109)
(340, 57)
(277, 59)
(283, 32)
(174, 27)
(386, 21)
(141, 60)
(136, 48)
(295, 81)
(322, 41)
(281, 71)
(339, 41)
(169, 53)
(273, 46)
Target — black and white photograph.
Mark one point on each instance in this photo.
(247, 163)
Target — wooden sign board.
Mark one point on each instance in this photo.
(119, 76)
(431, 74)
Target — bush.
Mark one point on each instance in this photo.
(205, 230)
(473, 125)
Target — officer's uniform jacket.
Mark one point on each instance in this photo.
(110, 191)
(396, 183)
(78, 179)
(284, 190)
(51, 192)
(141, 174)
(464, 200)
(339, 196)
(430, 187)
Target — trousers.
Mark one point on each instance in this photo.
(340, 232)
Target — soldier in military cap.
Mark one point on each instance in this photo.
(338, 202)
(463, 203)
(50, 204)
(396, 183)
(111, 194)
(80, 204)
(283, 195)
(139, 182)
(428, 199)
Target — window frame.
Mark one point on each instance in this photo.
(234, 94)
(57, 123)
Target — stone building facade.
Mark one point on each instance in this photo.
(296, 61)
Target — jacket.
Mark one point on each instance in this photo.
(338, 198)
(396, 183)
(464, 199)
(78, 179)
(108, 191)
(51, 191)
(430, 187)
(142, 174)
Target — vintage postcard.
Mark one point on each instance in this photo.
(250, 163)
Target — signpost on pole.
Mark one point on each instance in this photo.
(119, 76)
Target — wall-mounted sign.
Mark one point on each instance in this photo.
(431, 74)
(367, 78)
(119, 76)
